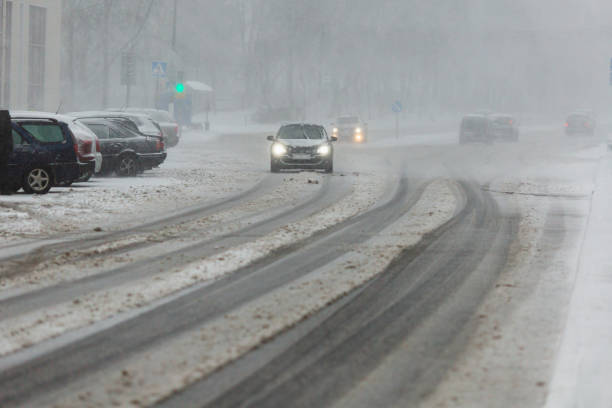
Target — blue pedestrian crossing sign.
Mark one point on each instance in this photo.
(397, 107)
(159, 69)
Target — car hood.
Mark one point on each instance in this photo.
(302, 142)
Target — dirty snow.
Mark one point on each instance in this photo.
(193, 355)
(33, 327)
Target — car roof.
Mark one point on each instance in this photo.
(40, 115)
(103, 114)
(475, 116)
(302, 124)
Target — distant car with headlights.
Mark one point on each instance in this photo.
(580, 122)
(302, 146)
(350, 129)
(504, 127)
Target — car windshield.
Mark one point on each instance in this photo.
(301, 132)
(349, 120)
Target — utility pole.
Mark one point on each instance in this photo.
(174, 26)
(105, 57)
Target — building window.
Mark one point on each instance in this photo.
(6, 18)
(36, 71)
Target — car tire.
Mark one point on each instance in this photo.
(330, 167)
(127, 165)
(86, 177)
(37, 180)
(274, 167)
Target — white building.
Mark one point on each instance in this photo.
(30, 35)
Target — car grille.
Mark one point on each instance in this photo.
(302, 149)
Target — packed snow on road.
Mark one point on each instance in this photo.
(305, 204)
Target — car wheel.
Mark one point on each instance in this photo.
(330, 167)
(127, 165)
(37, 181)
(274, 167)
(87, 176)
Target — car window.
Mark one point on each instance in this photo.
(301, 132)
(121, 131)
(45, 132)
(18, 139)
(100, 130)
(473, 123)
(348, 120)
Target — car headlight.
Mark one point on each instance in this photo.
(335, 130)
(358, 130)
(323, 150)
(358, 137)
(278, 149)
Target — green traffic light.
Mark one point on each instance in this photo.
(180, 88)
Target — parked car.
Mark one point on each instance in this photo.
(476, 128)
(44, 153)
(580, 123)
(350, 128)
(170, 128)
(144, 123)
(125, 151)
(302, 146)
(504, 127)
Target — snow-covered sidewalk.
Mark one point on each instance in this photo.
(583, 372)
(197, 170)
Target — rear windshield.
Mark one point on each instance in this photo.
(100, 130)
(473, 123)
(348, 120)
(301, 132)
(45, 132)
(503, 121)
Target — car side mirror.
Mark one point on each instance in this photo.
(334, 138)
(270, 138)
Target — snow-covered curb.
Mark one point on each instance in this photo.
(31, 328)
(195, 354)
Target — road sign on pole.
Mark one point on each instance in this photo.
(159, 69)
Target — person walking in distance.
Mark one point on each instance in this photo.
(6, 148)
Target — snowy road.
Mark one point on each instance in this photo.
(420, 272)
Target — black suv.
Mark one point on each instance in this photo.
(44, 155)
(580, 122)
(476, 128)
(302, 146)
(124, 151)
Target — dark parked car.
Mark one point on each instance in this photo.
(44, 154)
(580, 123)
(125, 151)
(169, 126)
(504, 127)
(476, 128)
(302, 146)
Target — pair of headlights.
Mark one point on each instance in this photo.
(279, 149)
(357, 130)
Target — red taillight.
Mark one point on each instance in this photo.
(566, 124)
(510, 121)
(587, 124)
(159, 145)
(98, 145)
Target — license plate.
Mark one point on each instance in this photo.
(301, 156)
